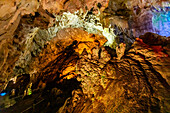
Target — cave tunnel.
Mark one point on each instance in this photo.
(84, 56)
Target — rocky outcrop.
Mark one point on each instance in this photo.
(62, 53)
(139, 82)
(18, 51)
(18, 47)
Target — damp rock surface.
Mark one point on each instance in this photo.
(139, 82)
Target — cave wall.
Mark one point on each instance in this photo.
(14, 48)
(26, 47)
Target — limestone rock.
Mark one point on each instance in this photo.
(120, 50)
(90, 71)
(155, 39)
(63, 52)
(139, 82)
(142, 23)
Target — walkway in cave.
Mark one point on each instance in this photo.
(48, 100)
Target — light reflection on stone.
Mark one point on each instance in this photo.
(161, 21)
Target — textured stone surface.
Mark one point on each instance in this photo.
(137, 83)
(18, 51)
(63, 51)
(142, 22)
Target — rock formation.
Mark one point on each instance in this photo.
(106, 59)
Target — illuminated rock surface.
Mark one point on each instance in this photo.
(57, 61)
(136, 83)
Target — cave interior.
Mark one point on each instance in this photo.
(84, 56)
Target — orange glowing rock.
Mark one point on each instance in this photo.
(70, 76)
(158, 50)
(68, 70)
(81, 47)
